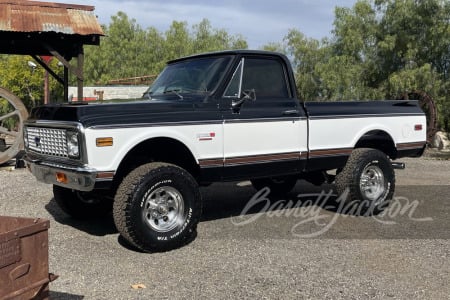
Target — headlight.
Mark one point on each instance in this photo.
(73, 149)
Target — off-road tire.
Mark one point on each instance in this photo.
(82, 205)
(157, 207)
(367, 182)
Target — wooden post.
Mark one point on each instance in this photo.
(78, 71)
(80, 76)
(46, 88)
(66, 84)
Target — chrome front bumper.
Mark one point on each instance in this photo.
(81, 179)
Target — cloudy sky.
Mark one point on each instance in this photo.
(259, 21)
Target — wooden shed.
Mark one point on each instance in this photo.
(40, 29)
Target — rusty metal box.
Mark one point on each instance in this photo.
(23, 258)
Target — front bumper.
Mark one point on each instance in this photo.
(77, 178)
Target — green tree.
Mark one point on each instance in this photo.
(414, 32)
(121, 54)
(414, 49)
(127, 50)
(178, 42)
(379, 49)
(27, 82)
(275, 47)
(306, 54)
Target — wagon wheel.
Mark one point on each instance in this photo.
(428, 106)
(12, 115)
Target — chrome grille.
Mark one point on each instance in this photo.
(48, 141)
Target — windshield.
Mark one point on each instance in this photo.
(199, 76)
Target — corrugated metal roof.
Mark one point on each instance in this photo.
(36, 16)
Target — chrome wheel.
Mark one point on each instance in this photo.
(157, 207)
(163, 209)
(367, 181)
(372, 183)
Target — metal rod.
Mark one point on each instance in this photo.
(398, 165)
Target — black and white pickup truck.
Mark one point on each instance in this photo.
(222, 116)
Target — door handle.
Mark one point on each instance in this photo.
(290, 112)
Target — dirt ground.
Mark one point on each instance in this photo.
(283, 252)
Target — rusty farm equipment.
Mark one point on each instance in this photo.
(12, 115)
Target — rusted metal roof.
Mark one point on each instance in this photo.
(36, 16)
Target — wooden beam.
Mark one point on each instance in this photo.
(47, 68)
(72, 69)
(78, 71)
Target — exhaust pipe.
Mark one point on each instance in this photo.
(398, 165)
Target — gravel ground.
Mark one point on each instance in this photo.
(281, 253)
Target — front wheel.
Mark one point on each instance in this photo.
(157, 207)
(367, 181)
(82, 205)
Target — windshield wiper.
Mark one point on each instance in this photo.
(174, 92)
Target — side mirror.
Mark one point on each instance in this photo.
(246, 95)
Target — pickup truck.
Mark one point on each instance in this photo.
(222, 116)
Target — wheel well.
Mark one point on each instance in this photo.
(158, 149)
(380, 140)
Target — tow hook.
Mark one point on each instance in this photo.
(398, 165)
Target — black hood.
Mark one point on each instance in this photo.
(137, 112)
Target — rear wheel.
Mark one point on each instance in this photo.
(82, 205)
(367, 181)
(157, 207)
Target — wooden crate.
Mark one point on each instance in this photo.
(24, 258)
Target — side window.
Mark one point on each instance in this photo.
(263, 75)
(233, 89)
(266, 77)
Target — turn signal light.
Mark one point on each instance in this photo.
(104, 142)
(61, 177)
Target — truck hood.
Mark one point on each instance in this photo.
(126, 113)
